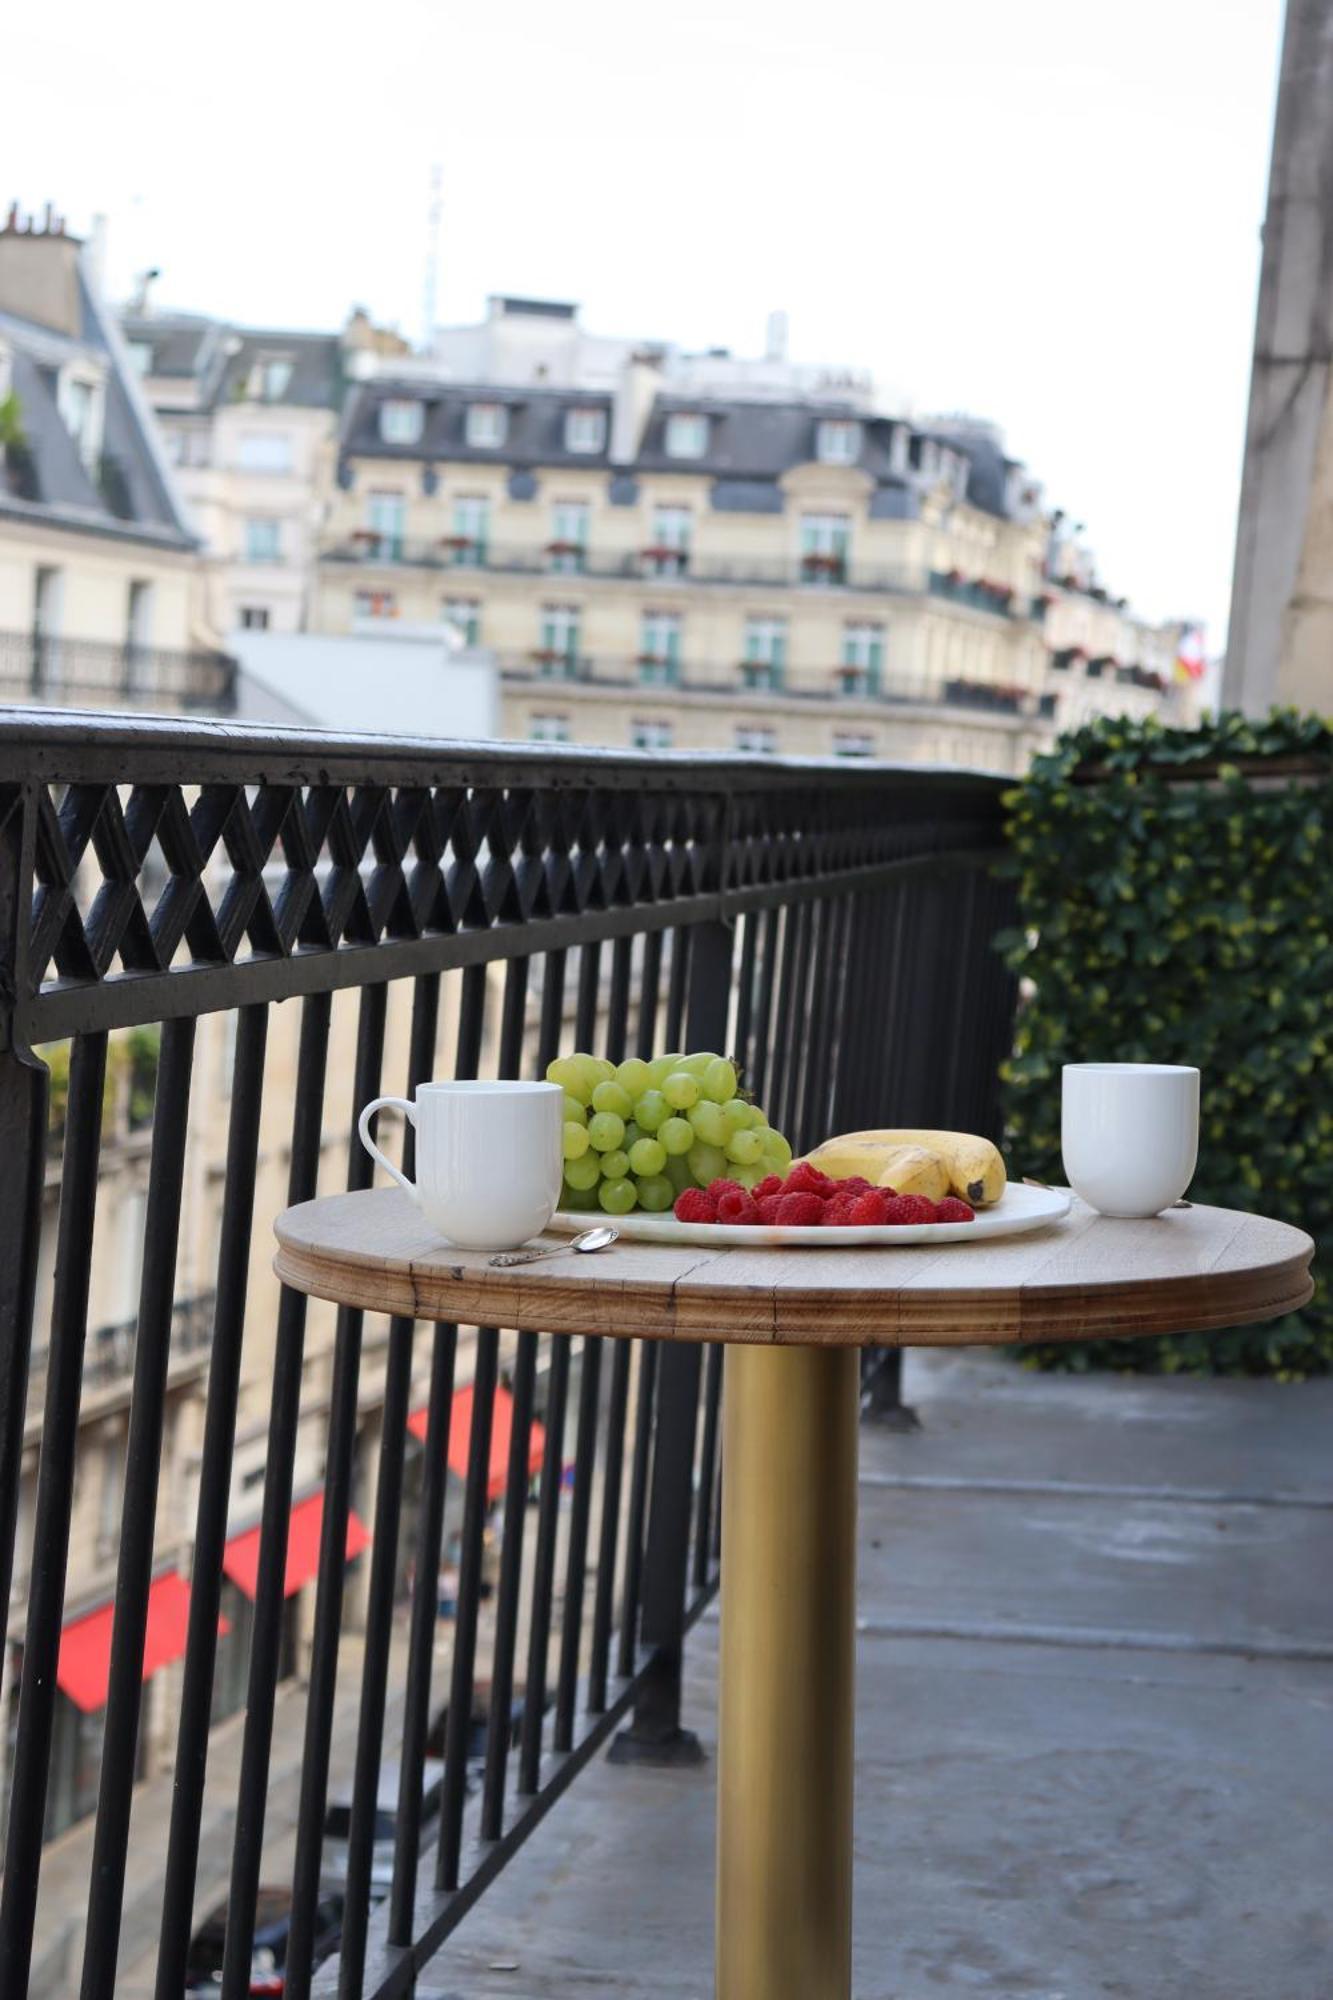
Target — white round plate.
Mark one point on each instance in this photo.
(1019, 1209)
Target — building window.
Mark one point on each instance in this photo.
(263, 539)
(824, 539)
(463, 614)
(862, 661)
(186, 446)
(659, 649)
(141, 356)
(486, 425)
(837, 441)
(254, 618)
(386, 520)
(264, 451)
(78, 407)
(275, 375)
(558, 652)
(668, 550)
(548, 729)
(374, 604)
(853, 743)
(756, 739)
(650, 735)
(567, 549)
(472, 521)
(765, 656)
(686, 435)
(585, 430)
(47, 604)
(402, 420)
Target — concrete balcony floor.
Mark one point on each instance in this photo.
(1095, 1720)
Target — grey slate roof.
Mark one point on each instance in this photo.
(750, 444)
(128, 492)
(220, 358)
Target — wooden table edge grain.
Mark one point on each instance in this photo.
(1084, 1278)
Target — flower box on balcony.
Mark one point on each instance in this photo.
(364, 538)
(662, 557)
(857, 680)
(823, 568)
(565, 549)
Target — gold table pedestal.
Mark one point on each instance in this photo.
(785, 1751)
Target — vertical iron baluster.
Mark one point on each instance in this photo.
(781, 1046)
(617, 1015)
(340, 1451)
(384, 1553)
(517, 1481)
(553, 1007)
(143, 1456)
(761, 1068)
(210, 1534)
(650, 979)
(703, 1538)
(677, 987)
(421, 1636)
(576, 1562)
(745, 996)
(585, 1019)
(543, 1567)
(55, 1493)
(266, 1635)
(800, 1018)
(814, 918)
(638, 1501)
(475, 1502)
(603, 1603)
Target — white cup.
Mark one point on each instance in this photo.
(488, 1158)
(1130, 1134)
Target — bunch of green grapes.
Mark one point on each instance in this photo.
(638, 1133)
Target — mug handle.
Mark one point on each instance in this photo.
(363, 1128)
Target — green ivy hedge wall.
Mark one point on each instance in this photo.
(1169, 918)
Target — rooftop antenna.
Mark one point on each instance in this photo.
(431, 277)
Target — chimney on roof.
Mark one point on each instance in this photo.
(39, 271)
(775, 343)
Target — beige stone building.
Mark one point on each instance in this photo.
(98, 562)
(777, 568)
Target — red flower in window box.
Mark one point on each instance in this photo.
(661, 552)
(823, 562)
(565, 549)
(457, 542)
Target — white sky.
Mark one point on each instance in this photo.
(1047, 210)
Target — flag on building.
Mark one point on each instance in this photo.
(1191, 660)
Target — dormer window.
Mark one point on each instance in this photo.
(275, 376)
(402, 420)
(585, 430)
(79, 399)
(487, 424)
(838, 441)
(686, 435)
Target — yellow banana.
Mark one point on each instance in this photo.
(975, 1166)
(907, 1169)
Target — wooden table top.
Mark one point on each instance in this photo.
(1087, 1277)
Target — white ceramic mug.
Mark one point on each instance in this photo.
(488, 1158)
(1130, 1134)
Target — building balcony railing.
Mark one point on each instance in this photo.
(655, 565)
(977, 593)
(108, 1357)
(40, 666)
(743, 897)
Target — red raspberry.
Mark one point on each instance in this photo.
(718, 1188)
(737, 1207)
(951, 1209)
(695, 1205)
(870, 1210)
(799, 1207)
(838, 1211)
(856, 1184)
(805, 1179)
(902, 1208)
(771, 1184)
(766, 1208)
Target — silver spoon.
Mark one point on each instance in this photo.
(590, 1239)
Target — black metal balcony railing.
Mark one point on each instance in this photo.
(44, 667)
(837, 572)
(830, 925)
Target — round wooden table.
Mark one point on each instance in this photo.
(795, 1320)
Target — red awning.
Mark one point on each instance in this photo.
(502, 1427)
(83, 1668)
(240, 1558)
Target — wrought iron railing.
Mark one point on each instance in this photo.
(46, 667)
(831, 925)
